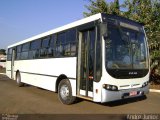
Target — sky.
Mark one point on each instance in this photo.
(21, 19)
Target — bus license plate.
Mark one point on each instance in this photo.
(133, 93)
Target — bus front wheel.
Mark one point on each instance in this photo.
(18, 80)
(65, 92)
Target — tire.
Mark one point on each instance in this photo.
(65, 92)
(18, 80)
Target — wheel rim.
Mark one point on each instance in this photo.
(64, 92)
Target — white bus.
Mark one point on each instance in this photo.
(100, 58)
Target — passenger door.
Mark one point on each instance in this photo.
(86, 51)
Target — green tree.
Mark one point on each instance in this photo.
(96, 6)
(143, 11)
(115, 8)
(146, 12)
(2, 52)
(101, 6)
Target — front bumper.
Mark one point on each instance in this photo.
(108, 96)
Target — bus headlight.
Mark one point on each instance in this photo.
(110, 87)
(145, 84)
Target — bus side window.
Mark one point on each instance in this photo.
(32, 54)
(60, 42)
(45, 45)
(51, 49)
(9, 54)
(24, 53)
(35, 49)
(18, 52)
(70, 46)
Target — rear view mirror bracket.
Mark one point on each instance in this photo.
(103, 30)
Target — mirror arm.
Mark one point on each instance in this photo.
(103, 29)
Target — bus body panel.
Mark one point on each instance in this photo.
(8, 68)
(44, 72)
(108, 96)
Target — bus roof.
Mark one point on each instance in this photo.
(59, 29)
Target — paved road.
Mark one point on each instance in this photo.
(31, 100)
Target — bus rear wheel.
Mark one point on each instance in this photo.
(65, 92)
(18, 80)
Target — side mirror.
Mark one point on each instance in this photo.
(103, 30)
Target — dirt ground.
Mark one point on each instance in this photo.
(33, 100)
(2, 70)
(34, 103)
(153, 86)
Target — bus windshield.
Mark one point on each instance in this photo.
(125, 48)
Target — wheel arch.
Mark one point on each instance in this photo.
(17, 71)
(59, 79)
(19, 82)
